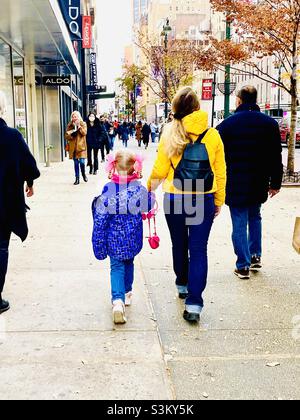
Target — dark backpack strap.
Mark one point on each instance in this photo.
(201, 137)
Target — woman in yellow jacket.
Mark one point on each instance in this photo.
(189, 215)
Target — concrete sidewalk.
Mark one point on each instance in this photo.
(60, 342)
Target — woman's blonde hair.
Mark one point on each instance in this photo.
(3, 104)
(185, 103)
(78, 115)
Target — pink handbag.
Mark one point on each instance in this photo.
(154, 240)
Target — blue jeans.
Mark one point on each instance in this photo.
(79, 163)
(122, 278)
(153, 137)
(190, 244)
(125, 143)
(247, 234)
(112, 142)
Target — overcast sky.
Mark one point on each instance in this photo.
(115, 32)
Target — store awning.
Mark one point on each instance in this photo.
(37, 27)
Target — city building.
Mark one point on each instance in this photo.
(189, 19)
(43, 68)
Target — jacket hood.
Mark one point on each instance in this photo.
(196, 123)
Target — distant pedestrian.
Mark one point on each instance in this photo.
(93, 143)
(131, 129)
(154, 131)
(190, 208)
(118, 226)
(112, 137)
(138, 133)
(146, 132)
(254, 165)
(125, 134)
(104, 142)
(17, 167)
(77, 145)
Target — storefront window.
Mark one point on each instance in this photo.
(19, 90)
(6, 81)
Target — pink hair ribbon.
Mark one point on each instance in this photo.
(138, 166)
(111, 163)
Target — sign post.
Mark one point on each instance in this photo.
(207, 89)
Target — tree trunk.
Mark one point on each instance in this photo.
(292, 138)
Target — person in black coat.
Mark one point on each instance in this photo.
(104, 141)
(146, 132)
(93, 142)
(254, 170)
(17, 167)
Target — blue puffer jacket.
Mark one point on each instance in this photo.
(118, 224)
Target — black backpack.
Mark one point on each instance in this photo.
(194, 167)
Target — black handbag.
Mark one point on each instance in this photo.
(194, 173)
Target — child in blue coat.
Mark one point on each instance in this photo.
(118, 225)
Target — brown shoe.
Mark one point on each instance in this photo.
(243, 274)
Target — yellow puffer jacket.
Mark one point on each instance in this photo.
(195, 124)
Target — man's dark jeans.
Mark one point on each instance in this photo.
(247, 234)
(4, 245)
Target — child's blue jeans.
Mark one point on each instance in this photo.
(122, 277)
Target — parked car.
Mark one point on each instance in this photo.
(285, 131)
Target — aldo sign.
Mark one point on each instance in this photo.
(57, 81)
(71, 12)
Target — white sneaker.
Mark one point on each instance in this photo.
(128, 299)
(119, 312)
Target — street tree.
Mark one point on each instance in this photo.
(132, 77)
(269, 28)
(167, 68)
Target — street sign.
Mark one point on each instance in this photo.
(93, 69)
(86, 32)
(207, 89)
(98, 96)
(96, 89)
(57, 80)
(72, 16)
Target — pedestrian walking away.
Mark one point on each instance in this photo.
(17, 167)
(138, 133)
(146, 132)
(112, 137)
(254, 164)
(118, 225)
(104, 142)
(125, 134)
(190, 212)
(77, 145)
(93, 143)
(154, 131)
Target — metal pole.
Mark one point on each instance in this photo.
(83, 81)
(214, 100)
(166, 77)
(279, 92)
(227, 74)
(134, 100)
